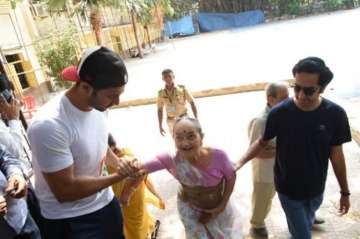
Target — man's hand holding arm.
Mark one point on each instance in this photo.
(261, 143)
(256, 131)
(55, 159)
(68, 187)
(254, 150)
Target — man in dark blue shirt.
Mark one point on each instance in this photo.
(309, 130)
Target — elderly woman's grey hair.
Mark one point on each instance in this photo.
(193, 121)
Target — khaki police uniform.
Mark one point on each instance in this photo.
(175, 103)
(263, 174)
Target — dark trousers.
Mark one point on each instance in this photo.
(105, 223)
(29, 230)
(34, 209)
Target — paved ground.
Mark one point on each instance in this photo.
(265, 52)
(224, 120)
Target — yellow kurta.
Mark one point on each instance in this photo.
(138, 223)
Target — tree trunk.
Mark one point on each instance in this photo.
(146, 27)
(96, 24)
(133, 20)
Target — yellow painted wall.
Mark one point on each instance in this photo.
(28, 68)
(11, 73)
(121, 38)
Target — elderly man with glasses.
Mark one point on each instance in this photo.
(309, 131)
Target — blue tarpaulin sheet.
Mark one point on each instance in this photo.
(183, 27)
(216, 21)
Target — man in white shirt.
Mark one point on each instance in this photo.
(68, 138)
(263, 164)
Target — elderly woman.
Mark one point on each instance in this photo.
(207, 180)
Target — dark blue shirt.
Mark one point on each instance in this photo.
(303, 143)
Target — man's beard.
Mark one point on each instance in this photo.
(93, 102)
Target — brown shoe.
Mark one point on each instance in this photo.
(259, 232)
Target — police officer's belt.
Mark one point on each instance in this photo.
(173, 117)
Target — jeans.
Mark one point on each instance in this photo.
(105, 223)
(34, 208)
(30, 230)
(300, 215)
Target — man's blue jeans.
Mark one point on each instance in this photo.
(300, 215)
(30, 230)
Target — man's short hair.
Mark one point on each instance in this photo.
(314, 65)
(167, 71)
(271, 89)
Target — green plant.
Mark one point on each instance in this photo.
(334, 4)
(180, 8)
(57, 52)
(293, 7)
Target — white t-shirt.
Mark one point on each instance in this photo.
(60, 136)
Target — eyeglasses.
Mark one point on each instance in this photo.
(308, 91)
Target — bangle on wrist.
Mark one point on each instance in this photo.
(345, 194)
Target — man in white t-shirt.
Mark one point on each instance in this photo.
(68, 139)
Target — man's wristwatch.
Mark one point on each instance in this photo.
(345, 194)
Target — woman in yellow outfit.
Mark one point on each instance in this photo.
(138, 222)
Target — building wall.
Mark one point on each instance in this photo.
(19, 27)
(23, 29)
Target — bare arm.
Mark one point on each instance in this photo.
(267, 153)
(151, 188)
(209, 214)
(338, 163)
(254, 150)
(68, 187)
(229, 187)
(194, 109)
(256, 130)
(160, 118)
